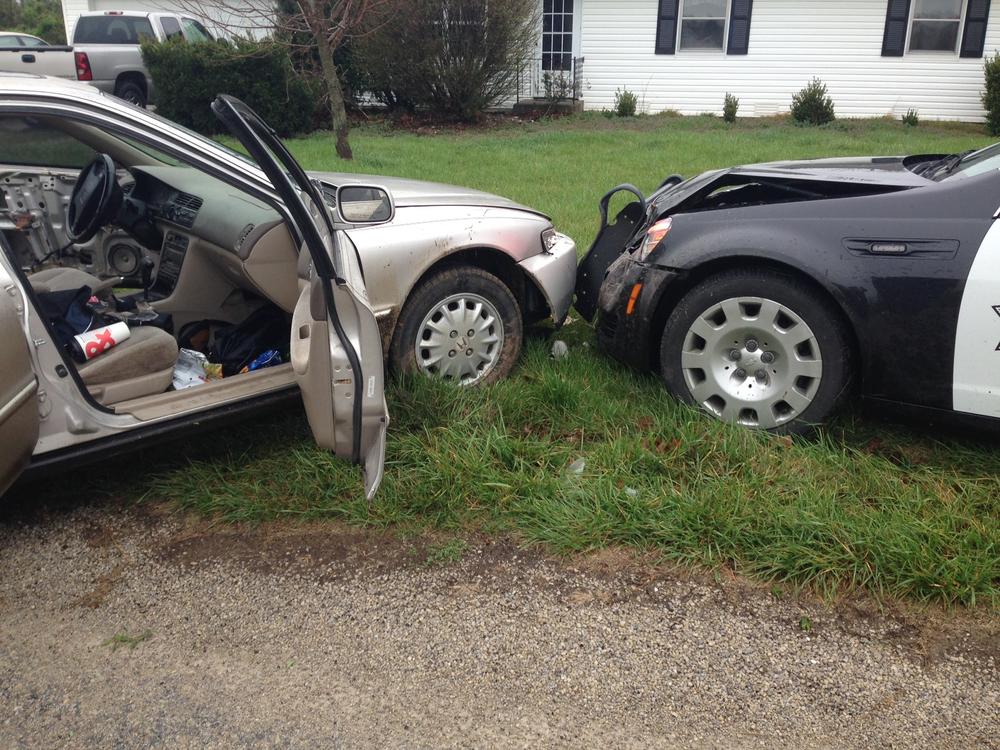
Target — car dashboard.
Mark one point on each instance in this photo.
(234, 235)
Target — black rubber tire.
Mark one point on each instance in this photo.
(454, 281)
(132, 92)
(804, 299)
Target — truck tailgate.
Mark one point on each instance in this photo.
(43, 61)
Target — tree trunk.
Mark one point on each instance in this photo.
(338, 112)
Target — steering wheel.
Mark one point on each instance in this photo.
(96, 199)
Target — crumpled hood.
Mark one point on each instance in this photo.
(876, 170)
(418, 193)
(870, 171)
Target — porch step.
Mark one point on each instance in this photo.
(540, 105)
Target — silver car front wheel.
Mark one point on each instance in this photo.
(462, 325)
(460, 339)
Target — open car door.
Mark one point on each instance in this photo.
(18, 386)
(336, 348)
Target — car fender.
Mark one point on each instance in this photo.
(396, 256)
(793, 243)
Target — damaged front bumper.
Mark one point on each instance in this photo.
(554, 272)
(627, 307)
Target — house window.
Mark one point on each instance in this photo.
(935, 25)
(703, 24)
(557, 35)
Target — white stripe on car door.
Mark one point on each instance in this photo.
(976, 376)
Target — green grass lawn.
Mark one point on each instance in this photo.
(864, 505)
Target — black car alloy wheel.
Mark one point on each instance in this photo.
(758, 348)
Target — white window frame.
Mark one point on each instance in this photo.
(958, 40)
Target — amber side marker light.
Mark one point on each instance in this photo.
(630, 308)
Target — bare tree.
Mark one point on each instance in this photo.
(321, 24)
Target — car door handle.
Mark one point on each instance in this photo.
(27, 58)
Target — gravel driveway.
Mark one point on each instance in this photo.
(323, 636)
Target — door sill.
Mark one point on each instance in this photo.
(214, 393)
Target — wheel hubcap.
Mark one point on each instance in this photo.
(752, 361)
(460, 339)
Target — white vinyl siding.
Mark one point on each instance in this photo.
(71, 11)
(791, 41)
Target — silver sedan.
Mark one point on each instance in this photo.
(255, 281)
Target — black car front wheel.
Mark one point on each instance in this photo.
(758, 348)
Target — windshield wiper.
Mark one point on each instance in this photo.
(946, 166)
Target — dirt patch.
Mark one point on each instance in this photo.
(103, 586)
(327, 551)
(323, 550)
(98, 536)
(426, 123)
(927, 634)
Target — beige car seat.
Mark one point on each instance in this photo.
(142, 365)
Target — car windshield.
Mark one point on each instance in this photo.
(976, 162)
(175, 126)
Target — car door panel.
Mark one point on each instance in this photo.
(326, 377)
(18, 388)
(335, 344)
(976, 381)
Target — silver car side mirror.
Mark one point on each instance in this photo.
(364, 204)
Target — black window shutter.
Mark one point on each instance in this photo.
(896, 19)
(739, 27)
(666, 27)
(974, 36)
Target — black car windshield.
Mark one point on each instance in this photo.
(977, 162)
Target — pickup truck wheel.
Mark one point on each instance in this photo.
(131, 92)
(462, 325)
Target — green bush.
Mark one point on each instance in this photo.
(991, 96)
(812, 105)
(455, 58)
(188, 77)
(730, 107)
(626, 103)
(911, 118)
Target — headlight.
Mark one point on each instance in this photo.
(654, 235)
(549, 239)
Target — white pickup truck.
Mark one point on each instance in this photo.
(105, 51)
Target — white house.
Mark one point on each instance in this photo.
(877, 57)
